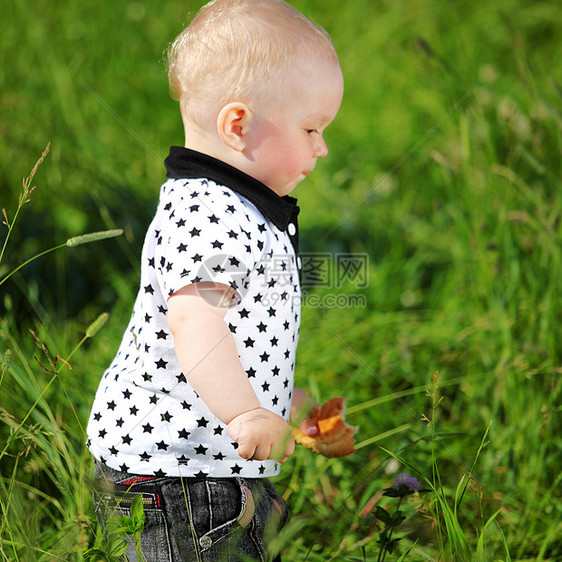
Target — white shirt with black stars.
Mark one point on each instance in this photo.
(213, 223)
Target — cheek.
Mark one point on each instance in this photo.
(289, 156)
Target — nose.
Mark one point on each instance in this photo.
(320, 148)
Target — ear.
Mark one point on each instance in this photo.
(233, 123)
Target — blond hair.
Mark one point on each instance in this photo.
(234, 48)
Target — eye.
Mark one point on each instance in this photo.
(311, 131)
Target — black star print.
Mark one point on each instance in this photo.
(102, 433)
(111, 405)
(201, 474)
(114, 451)
(120, 422)
(159, 473)
(256, 322)
(154, 399)
(123, 467)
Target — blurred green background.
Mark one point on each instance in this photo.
(444, 168)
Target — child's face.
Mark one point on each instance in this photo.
(286, 137)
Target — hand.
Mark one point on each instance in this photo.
(301, 407)
(261, 435)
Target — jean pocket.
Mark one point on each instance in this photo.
(229, 509)
(154, 540)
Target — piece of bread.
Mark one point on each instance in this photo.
(335, 436)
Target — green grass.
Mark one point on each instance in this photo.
(444, 168)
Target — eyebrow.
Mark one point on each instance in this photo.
(322, 117)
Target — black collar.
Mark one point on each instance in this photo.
(189, 164)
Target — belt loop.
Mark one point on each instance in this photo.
(249, 507)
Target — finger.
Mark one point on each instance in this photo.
(261, 453)
(246, 450)
(290, 448)
(308, 427)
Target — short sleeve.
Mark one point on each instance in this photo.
(205, 238)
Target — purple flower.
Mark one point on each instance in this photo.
(406, 482)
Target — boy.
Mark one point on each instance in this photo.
(193, 411)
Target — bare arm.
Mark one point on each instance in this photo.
(207, 355)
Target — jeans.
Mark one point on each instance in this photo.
(194, 519)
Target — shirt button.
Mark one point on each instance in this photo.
(292, 229)
(205, 542)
